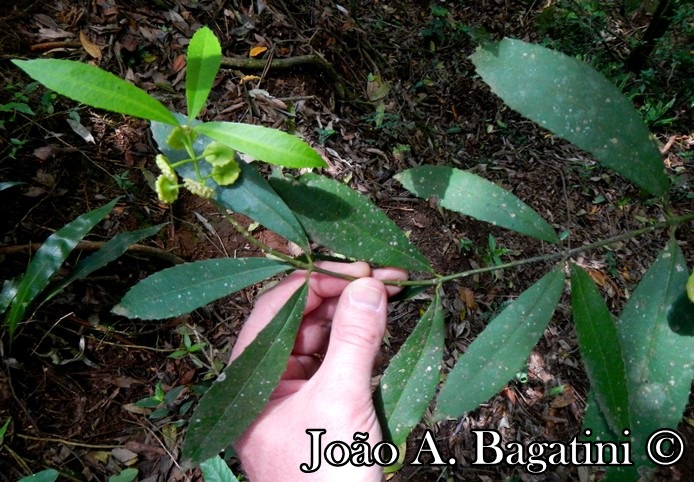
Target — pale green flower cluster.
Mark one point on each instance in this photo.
(225, 170)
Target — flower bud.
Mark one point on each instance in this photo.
(165, 168)
(198, 188)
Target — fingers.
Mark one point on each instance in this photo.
(321, 286)
(315, 329)
(301, 367)
(355, 338)
(390, 274)
(323, 292)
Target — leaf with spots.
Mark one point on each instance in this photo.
(410, 381)
(348, 223)
(601, 350)
(500, 350)
(656, 332)
(46, 263)
(186, 287)
(244, 387)
(576, 102)
(600, 431)
(474, 196)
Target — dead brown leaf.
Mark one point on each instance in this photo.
(90, 47)
(468, 297)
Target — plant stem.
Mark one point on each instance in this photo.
(561, 255)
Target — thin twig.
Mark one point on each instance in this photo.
(313, 60)
(66, 442)
(95, 246)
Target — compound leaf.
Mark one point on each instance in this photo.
(95, 87)
(48, 260)
(493, 358)
(410, 381)
(244, 387)
(348, 223)
(601, 350)
(472, 195)
(183, 288)
(576, 102)
(203, 61)
(263, 143)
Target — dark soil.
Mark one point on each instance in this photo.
(70, 379)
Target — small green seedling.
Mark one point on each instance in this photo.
(17, 295)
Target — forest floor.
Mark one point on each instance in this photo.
(71, 378)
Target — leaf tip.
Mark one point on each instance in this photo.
(120, 310)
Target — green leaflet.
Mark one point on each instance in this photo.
(203, 61)
(48, 260)
(659, 361)
(601, 350)
(595, 421)
(263, 143)
(216, 470)
(348, 223)
(655, 333)
(472, 195)
(9, 291)
(48, 475)
(250, 195)
(110, 251)
(9, 184)
(95, 87)
(576, 102)
(493, 358)
(410, 381)
(243, 389)
(126, 475)
(186, 287)
(3, 430)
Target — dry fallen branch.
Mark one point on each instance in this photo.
(288, 63)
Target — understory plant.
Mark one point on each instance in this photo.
(33, 287)
(640, 364)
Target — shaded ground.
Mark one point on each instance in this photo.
(71, 378)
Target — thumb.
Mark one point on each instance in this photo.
(355, 338)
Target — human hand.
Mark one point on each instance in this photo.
(345, 323)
